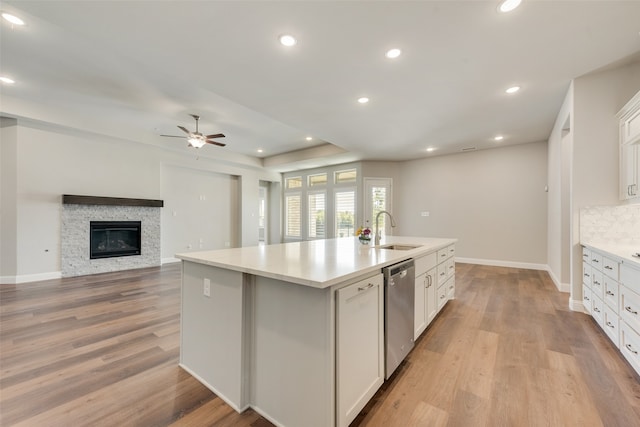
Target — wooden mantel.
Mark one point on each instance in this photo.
(70, 199)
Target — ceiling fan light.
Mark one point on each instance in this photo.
(196, 142)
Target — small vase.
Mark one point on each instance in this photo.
(364, 239)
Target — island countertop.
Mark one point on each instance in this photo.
(316, 263)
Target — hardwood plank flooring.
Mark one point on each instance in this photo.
(102, 350)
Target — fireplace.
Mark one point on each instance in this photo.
(110, 239)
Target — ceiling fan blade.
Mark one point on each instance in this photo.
(216, 143)
(174, 136)
(217, 135)
(184, 129)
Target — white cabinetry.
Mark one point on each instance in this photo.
(360, 346)
(630, 148)
(435, 285)
(611, 294)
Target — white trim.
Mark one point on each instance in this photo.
(498, 263)
(25, 278)
(169, 260)
(562, 287)
(576, 305)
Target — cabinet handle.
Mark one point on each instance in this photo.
(443, 255)
(441, 296)
(595, 282)
(586, 275)
(608, 268)
(596, 309)
(610, 293)
(631, 349)
(443, 273)
(364, 288)
(587, 298)
(609, 324)
(631, 190)
(630, 310)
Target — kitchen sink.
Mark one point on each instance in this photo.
(399, 247)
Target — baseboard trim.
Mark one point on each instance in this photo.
(25, 278)
(169, 260)
(499, 263)
(562, 287)
(576, 305)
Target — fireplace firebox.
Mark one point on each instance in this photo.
(115, 239)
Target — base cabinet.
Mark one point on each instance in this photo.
(359, 346)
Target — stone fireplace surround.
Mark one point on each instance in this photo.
(79, 211)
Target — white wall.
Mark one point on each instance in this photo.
(8, 184)
(51, 161)
(493, 201)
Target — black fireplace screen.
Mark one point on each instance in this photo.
(115, 238)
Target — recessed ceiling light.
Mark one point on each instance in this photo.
(260, 150)
(288, 40)
(393, 53)
(13, 19)
(498, 138)
(430, 149)
(7, 80)
(509, 5)
(363, 100)
(308, 138)
(513, 89)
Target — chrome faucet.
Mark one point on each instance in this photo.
(393, 224)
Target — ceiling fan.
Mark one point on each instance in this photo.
(196, 139)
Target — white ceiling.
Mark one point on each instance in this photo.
(136, 69)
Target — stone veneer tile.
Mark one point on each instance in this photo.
(617, 225)
(74, 238)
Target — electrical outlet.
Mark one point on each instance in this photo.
(206, 289)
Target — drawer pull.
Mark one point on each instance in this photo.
(630, 310)
(364, 288)
(609, 324)
(595, 260)
(586, 275)
(631, 349)
(441, 296)
(608, 268)
(443, 273)
(596, 309)
(443, 255)
(610, 293)
(587, 298)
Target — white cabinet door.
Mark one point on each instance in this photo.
(359, 346)
(431, 302)
(419, 310)
(630, 148)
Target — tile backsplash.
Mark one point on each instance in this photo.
(619, 225)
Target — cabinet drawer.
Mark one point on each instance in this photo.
(630, 307)
(586, 298)
(586, 275)
(442, 273)
(597, 310)
(586, 255)
(630, 277)
(451, 288)
(610, 325)
(630, 345)
(452, 250)
(610, 267)
(443, 254)
(611, 293)
(596, 260)
(451, 267)
(442, 296)
(425, 263)
(597, 284)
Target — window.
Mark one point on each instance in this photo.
(317, 216)
(345, 209)
(293, 182)
(346, 176)
(292, 217)
(318, 179)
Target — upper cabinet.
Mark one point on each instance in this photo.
(630, 148)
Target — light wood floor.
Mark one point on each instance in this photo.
(102, 351)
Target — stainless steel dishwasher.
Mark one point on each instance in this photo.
(399, 294)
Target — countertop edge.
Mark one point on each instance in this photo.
(621, 252)
(399, 256)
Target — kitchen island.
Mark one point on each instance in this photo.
(295, 330)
